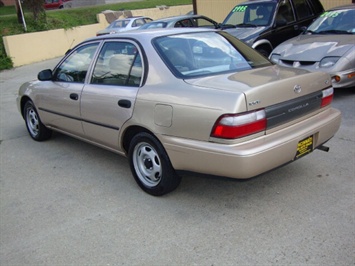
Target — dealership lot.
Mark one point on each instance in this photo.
(67, 202)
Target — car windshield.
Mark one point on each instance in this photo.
(206, 54)
(118, 24)
(334, 22)
(251, 15)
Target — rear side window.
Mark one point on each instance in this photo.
(202, 22)
(285, 13)
(302, 8)
(183, 23)
(119, 63)
(317, 6)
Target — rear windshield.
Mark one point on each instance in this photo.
(206, 53)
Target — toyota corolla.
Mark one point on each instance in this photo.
(182, 99)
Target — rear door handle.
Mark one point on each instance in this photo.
(125, 103)
(74, 96)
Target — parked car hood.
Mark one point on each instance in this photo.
(266, 86)
(314, 47)
(245, 33)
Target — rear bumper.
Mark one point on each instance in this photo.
(253, 157)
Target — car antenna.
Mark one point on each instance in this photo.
(70, 47)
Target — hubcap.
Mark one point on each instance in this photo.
(147, 164)
(32, 122)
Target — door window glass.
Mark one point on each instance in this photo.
(302, 8)
(284, 13)
(202, 22)
(119, 63)
(76, 65)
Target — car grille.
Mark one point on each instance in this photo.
(292, 63)
(287, 111)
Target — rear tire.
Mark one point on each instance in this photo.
(35, 128)
(150, 165)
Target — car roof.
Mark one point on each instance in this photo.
(178, 18)
(151, 33)
(259, 1)
(130, 18)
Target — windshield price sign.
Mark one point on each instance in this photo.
(240, 8)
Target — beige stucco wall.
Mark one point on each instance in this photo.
(29, 48)
(218, 10)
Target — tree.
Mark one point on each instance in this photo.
(37, 9)
(18, 12)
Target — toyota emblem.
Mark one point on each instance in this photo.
(297, 89)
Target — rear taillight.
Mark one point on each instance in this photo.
(327, 96)
(232, 126)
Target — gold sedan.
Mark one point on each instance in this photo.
(182, 100)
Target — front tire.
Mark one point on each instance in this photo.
(35, 128)
(150, 165)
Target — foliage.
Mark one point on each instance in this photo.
(37, 9)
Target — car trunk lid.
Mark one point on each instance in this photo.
(282, 94)
(268, 86)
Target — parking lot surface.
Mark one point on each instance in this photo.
(65, 202)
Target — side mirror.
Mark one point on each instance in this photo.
(44, 75)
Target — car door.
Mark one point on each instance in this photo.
(107, 101)
(60, 99)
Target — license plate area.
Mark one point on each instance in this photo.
(304, 147)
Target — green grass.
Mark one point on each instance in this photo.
(66, 18)
(7, 10)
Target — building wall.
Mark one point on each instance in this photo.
(219, 9)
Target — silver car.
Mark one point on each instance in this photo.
(182, 99)
(327, 45)
(125, 24)
(192, 21)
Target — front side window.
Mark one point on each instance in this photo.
(138, 23)
(206, 53)
(75, 67)
(119, 63)
(251, 15)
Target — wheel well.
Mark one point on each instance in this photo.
(129, 134)
(264, 47)
(24, 100)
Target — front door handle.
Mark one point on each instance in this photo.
(74, 96)
(125, 103)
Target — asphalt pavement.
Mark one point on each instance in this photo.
(65, 202)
